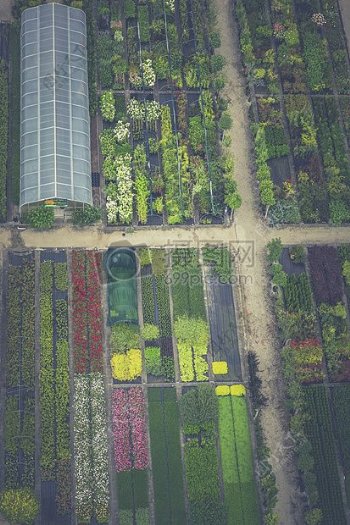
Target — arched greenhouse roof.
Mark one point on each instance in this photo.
(55, 122)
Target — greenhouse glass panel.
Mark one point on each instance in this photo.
(55, 121)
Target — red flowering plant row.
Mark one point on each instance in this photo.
(129, 429)
(87, 311)
(307, 356)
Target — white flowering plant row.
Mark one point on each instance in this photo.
(91, 448)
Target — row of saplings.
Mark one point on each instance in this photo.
(19, 506)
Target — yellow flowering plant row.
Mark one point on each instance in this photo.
(128, 366)
(233, 390)
(192, 337)
(220, 367)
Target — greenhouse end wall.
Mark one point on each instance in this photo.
(55, 121)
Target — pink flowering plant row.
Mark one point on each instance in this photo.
(129, 429)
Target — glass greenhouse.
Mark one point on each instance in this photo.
(55, 122)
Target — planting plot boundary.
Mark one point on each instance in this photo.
(223, 329)
(320, 432)
(237, 462)
(166, 456)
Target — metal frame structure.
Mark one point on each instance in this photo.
(55, 121)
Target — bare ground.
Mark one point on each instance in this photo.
(6, 12)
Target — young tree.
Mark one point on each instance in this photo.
(279, 276)
(225, 121)
(107, 105)
(232, 197)
(199, 406)
(274, 250)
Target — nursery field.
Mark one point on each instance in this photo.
(298, 72)
(312, 314)
(155, 81)
(95, 425)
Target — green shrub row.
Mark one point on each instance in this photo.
(4, 123)
(54, 382)
(241, 497)
(21, 325)
(164, 428)
(200, 457)
(187, 284)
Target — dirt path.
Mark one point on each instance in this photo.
(243, 231)
(256, 316)
(344, 6)
(6, 12)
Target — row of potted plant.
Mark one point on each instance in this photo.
(87, 311)
(129, 429)
(91, 448)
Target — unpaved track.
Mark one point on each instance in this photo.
(241, 231)
(257, 317)
(6, 10)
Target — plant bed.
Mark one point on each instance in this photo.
(325, 274)
(19, 363)
(86, 278)
(237, 461)
(156, 315)
(54, 382)
(321, 435)
(153, 50)
(221, 312)
(129, 429)
(130, 451)
(166, 456)
(200, 455)
(340, 401)
(297, 48)
(91, 449)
